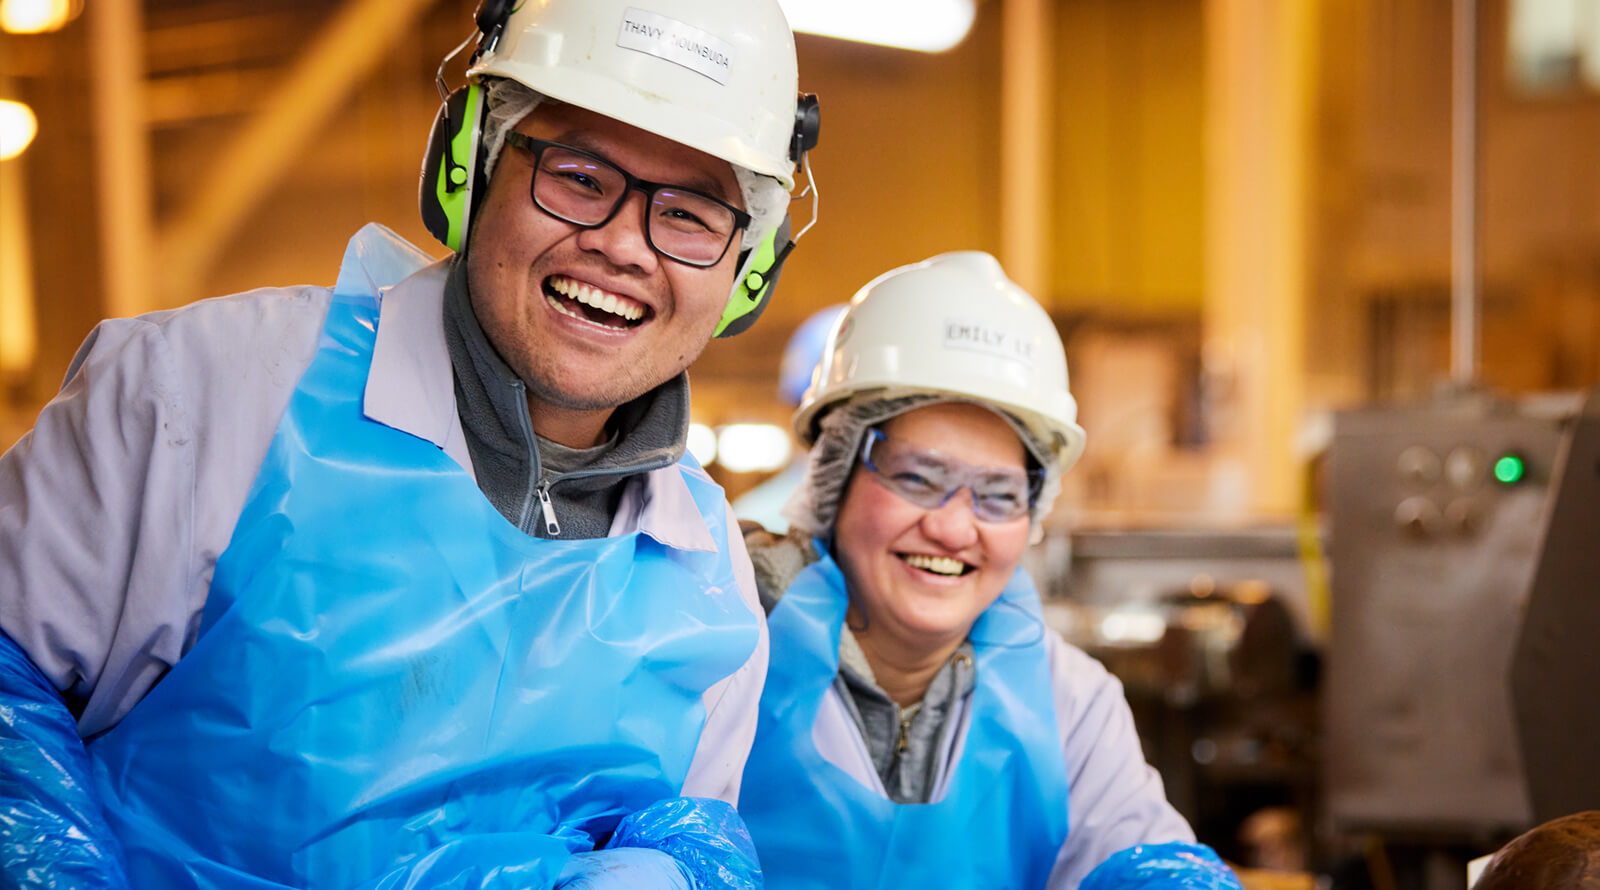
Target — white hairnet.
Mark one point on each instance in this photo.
(815, 503)
(510, 101)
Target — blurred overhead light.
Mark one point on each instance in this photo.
(37, 16)
(752, 447)
(1554, 43)
(19, 333)
(1136, 624)
(1591, 47)
(17, 128)
(930, 26)
(702, 443)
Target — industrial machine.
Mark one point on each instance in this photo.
(1435, 520)
(1457, 702)
(1209, 632)
(1556, 663)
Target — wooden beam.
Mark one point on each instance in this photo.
(122, 153)
(1027, 39)
(1259, 64)
(310, 96)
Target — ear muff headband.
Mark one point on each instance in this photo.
(452, 170)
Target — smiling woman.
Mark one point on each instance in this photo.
(920, 562)
(923, 725)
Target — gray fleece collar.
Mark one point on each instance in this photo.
(510, 461)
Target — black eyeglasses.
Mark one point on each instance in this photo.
(587, 190)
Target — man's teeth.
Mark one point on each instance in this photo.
(939, 565)
(588, 296)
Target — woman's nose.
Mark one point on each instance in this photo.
(952, 524)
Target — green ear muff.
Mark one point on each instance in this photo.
(758, 274)
(452, 171)
(759, 267)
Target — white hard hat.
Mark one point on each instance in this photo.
(951, 325)
(715, 76)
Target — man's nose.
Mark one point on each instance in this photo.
(622, 239)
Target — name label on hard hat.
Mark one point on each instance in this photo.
(976, 336)
(676, 42)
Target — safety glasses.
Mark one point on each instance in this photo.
(928, 479)
(588, 190)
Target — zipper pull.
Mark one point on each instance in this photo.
(903, 744)
(551, 527)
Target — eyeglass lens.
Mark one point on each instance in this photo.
(586, 190)
(929, 479)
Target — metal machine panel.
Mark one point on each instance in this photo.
(1431, 559)
(1556, 669)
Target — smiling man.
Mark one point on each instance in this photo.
(408, 581)
(592, 317)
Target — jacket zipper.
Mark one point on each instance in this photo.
(525, 421)
(903, 744)
(551, 527)
(541, 490)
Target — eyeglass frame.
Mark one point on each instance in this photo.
(1035, 478)
(537, 147)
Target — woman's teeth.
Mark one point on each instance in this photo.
(621, 307)
(939, 565)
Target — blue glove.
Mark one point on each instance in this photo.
(681, 843)
(624, 868)
(1161, 866)
(52, 830)
(705, 835)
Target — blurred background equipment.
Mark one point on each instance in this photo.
(1556, 660)
(1436, 517)
(1221, 674)
(1464, 618)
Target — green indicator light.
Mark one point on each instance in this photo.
(1510, 469)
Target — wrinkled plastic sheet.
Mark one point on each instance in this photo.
(1158, 866)
(52, 832)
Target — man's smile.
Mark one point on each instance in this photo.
(592, 304)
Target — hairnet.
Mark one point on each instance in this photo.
(815, 503)
(510, 101)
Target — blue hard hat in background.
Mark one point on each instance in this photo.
(804, 350)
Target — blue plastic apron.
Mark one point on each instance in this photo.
(393, 686)
(1004, 814)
